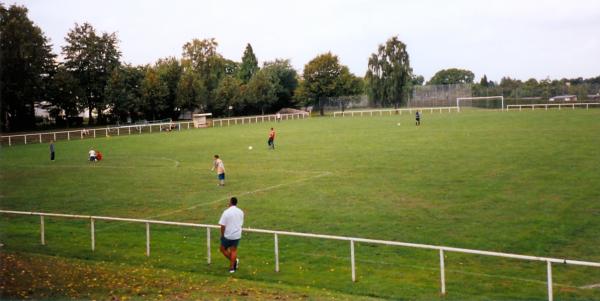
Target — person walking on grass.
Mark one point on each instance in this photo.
(417, 118)
(231, 222)
(52, 150)
(271, 141)
(220, 167)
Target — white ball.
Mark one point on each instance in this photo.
(249, 147)
(398, 123)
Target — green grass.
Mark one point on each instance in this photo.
(520, 182)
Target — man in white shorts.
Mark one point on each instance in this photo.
(231, 223)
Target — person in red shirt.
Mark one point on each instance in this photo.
(271, 141)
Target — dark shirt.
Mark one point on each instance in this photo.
(52, 147)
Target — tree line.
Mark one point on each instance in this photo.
(90, 76)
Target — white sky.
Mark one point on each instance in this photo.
(521, 39)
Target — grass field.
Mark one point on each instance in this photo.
(519, 182)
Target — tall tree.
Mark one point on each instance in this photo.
(64, 94)
(25, 65)
(229, 95)
(285, 78)
(91, 58)
(123, 92)
(208, 65)
(169, 72)
(322, 78)
(154, 94)
(249, 65)
(261, 92)
(389, 74)
(191, 92)
(452, 76)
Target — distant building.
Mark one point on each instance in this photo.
(564, 98)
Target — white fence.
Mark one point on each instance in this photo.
(393, 111)
(554, 105)
(43, 137)
(441, 249)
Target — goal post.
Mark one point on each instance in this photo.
(482, 98)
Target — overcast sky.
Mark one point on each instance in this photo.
(521, 39)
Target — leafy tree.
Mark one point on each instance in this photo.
(26, 63)
(154, 94)
(229, 93)
(389, 74)
(261, 92)
(91, 58)
(249, 65)
(484, 81)
(169, 72)
(64, 93)
(322, 78)
(191, 92)
(417, 80)
(123, 92)
(285, 78)
(209, 66)
(452, 76)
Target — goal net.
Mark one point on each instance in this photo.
(486, 102)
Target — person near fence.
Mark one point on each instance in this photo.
(418, 118)
(231, 222)
(220, 167)
(51, 150)
(271, 141)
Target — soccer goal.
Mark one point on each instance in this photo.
(485, 102)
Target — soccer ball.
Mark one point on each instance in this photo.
(249, 147)
(398, 123)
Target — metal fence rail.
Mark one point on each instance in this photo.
(393, 111)
(551, 105)
(43, 137)
(441, 249)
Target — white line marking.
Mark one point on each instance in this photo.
(591, 286)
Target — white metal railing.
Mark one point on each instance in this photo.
(551, 105)
(42, 137)
(441, 249)
(383, 112)
(259, 118)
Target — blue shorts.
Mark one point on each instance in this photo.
(228, 243)
(221, 176)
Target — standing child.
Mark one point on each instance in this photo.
(218, 164)
(271, 141)
(418, 118)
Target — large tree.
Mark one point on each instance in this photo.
(260, 93)
(169, 73)
(322, 78)
(91, 57)
(123, 92)
(249, 65)
(389, 74)
(452, 76)
(202, 58)
(154, 94)
(26, 64)
(228, 97)
(191, 92)
(63, 94)
(285, 77)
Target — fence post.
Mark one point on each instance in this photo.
(150, 128)
(207, 245)
(93, 233)
(129, 129)
(25, 139)
(69, 136)
(9, 142)
(352, 261)
(550, 295)
(276, 253)
(147, 239)
(42, 230)
(40, 138)
(442, 272)
(106, 132)
(118, 131)
(94, 133)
